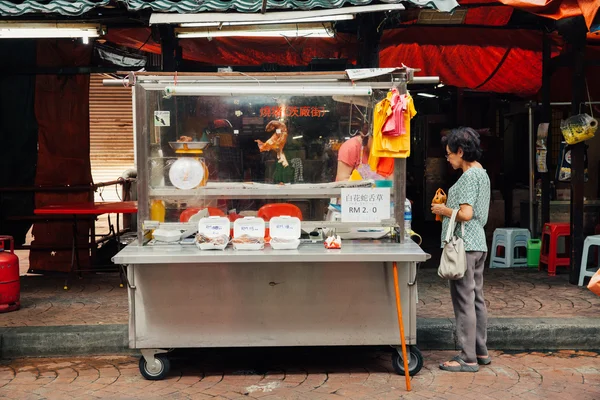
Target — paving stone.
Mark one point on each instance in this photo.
(560, 378)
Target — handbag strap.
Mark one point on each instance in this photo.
(452, 226)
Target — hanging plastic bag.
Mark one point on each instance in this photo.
(578, 128)
(594, 284)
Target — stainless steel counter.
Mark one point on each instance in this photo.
(351, 251)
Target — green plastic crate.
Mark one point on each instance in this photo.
(534, 248)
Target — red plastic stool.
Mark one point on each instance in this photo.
(550, 234)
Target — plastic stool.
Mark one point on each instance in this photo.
(589, 242)
(534, 247)
(549, 256)
(506, 245)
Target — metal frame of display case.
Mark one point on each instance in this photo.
(181, 297)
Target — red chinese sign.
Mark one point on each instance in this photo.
(292, 111)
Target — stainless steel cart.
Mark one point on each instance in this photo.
(181, 297)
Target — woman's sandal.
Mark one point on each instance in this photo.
(484, 360)
(462, 367)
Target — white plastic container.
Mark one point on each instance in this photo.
(213, 227)
(249, 226)
(288, 229)
(167, 235)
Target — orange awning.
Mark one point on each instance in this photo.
(558, 9)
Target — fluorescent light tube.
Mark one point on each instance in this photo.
(230, 90)
(287, 30)
(426, 95)
(22, 30)
(297, 137)
(325, 18)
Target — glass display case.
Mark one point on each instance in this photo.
(235, 145)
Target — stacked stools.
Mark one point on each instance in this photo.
(509, 248)
(589, 242)
(550, 234)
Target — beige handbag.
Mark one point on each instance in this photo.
(453, 263)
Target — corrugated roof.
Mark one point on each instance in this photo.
(14, 8)
(250, 6)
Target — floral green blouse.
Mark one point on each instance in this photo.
(472, 188)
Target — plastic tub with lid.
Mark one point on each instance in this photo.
(213, 227)
(251, 227)
(285, 232)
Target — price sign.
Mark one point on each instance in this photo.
(248, 229)
(216, 230)
(285, 227)
(365, 205)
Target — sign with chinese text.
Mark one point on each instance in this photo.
(292, 112)
(365, 204)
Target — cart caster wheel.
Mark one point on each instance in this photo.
(415, 361)
(155, 372)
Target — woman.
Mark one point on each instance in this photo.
(353, 153)
(471, 196)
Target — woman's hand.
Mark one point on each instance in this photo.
(440, 209)
(465, 213)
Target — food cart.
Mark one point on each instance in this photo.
(201, 145)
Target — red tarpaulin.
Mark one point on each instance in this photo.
(492, 60)
(246, 51)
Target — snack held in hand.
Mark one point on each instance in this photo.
(275, 142)
(439, 198)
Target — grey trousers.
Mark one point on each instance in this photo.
(470, 310)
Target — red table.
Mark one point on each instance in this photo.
(86, 209)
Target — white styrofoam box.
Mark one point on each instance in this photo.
(213, 227)
(167, 235)
(249, 226)
(287, 228)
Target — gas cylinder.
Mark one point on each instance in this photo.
(10, 287)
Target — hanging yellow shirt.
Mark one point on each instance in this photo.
(392, 146)
(381, 112)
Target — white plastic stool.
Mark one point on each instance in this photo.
(511, 239)
(589, 242)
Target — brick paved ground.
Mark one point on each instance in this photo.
(510, 293)
(303, 374)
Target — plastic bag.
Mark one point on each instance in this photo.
(245, 239)
(333, 242)
(578, 128)
(216, 240)
(594, 284)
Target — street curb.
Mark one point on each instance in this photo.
(40, 341)
(524, 334)
(517, 334)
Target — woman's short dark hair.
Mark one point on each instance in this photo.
(465, 138)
